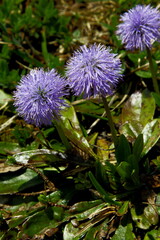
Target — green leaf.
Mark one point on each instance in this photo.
(152, 235)
(150, 135)
(123, 209)
(124, 232)
(90, 212)
(70, 231)
(71, 128)
(11, 234)
(137, 112)
(6, 147)
(52, 197)
(140, 107)
(106, 196)
(89, 107)
(83, 206)
(156, 98)
(18, 181)
(135, 57)
(147, 218)
(94, 215)
(123, 150)
(158, 203)
(41, 221)
(4, 97)
(124, 169)
(135, 168)
(97, 231)
(144, 74)
(138, 147)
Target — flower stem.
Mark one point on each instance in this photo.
(153, 71)
(110, 121)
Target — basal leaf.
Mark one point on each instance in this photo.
(124, 169)
(123, 150)
(138, 111)
(24, 157)
(18, 181)
(70, 231)
(151, 134)
(124, 232)
(146, 219)
(156, 98)
(71, 128)
(123, 209)
(152, 235)
(41, 221)
(83, 206)
(138, 147)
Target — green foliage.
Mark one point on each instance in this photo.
(67, 181)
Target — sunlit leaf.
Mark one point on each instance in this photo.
(9, 147)
(150, 135)
(146, 219)
(70, 231)
(137, 112)
(23, 157)
(124, 232)
(72, 130)
(4, 97)
(152, 235)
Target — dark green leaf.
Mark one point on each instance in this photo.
(106, 196)
(138, 147)
(17, 181)
(123, 150)
(124, 169)
(11, 234)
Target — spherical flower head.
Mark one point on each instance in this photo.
(39, 96)
(140, 27)
(93, 70)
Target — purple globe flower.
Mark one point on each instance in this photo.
(140, 27)
(38, 97)
(93, 70)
